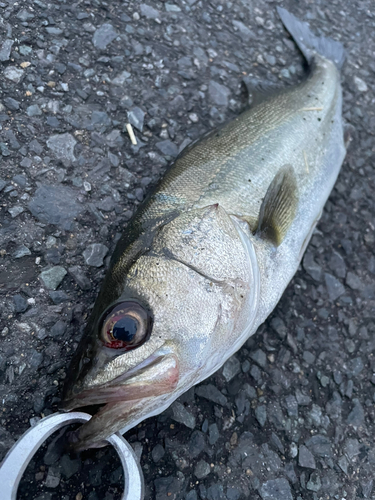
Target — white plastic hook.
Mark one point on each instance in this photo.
(23, 450)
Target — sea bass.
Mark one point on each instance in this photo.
(208, 255)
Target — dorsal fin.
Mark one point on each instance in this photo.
(279, 206)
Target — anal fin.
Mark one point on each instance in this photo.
(279, 206)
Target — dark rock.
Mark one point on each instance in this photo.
(231, 368)
(319, 445)
(58, 296)
(157, 453)
(53, 277)
(182, 415)
(259, 357)
(58, 329)
(314, 483)
(55, 205)
(62, 145)
(136, 118)
(211, 393)
(337, 264)
(168, 488)
(202, 469)
(261, 414)
(94, 254)
(305, 458)
(20, 304)
(5, 49)
(11, 103)
(148, 11)
(334, 287)
(197, 443)
(311, 267)
(218, 93)
(357, 416)
(103, 36)
(167, 147)
(276, 489)
(79, 277)
(353, 281)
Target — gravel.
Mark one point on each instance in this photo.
(291, 415)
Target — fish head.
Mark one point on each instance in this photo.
(164, 323)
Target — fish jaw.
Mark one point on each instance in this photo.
(126, 398)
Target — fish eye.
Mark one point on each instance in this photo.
(126, 325)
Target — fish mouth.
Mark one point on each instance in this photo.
(124, 401)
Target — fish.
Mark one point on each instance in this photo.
(208, 255)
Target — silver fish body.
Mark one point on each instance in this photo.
(199, 258)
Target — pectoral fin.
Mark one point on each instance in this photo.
(279, 206)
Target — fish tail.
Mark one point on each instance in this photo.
(310, 44)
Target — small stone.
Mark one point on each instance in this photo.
(5, 49)
(11, 103)
(94, 254)
(79, 277)
(259, 357)
(305, 458)
(211, 393)
(121, 78)
(337, 264)
(53, 478)
(53, 277)
(170, 7)
(58, 296)
(218, 93)
(182, 415)
(157, 453)
(261, 414)
(55, 205)
(24, 15)
(20, 303)
(276, 489)
(69, 467)
(14, 74)
(136, 117)
(343, 464)
(62, 145)
(14, 211)
(334, 287)
(167, 147)
(314, 483)
(357, 416)
(58, 329)
(245, 33)
(197, 443)
(213, 434)
(353, 281)
(320, 445)
(34, 110)
(202, 469)
(279, 326)
(231, 368)
(311, 267)
(149, 12)
(360, 84)
(103, 36)
(21, 251)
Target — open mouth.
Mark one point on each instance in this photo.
(120, 402)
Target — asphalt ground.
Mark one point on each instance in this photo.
(291, 416)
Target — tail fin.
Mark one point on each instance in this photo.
(308, 43)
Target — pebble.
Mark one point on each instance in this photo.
(261, 414)
(353, 281)
(182, 415)
(311, 267)
(103, 36)
(14, 211)
(79, 276)
(62, 145)
(136, 118)
(231, 368)
(276, 489)
(53, 478)
(148, 11)
(21, 251)
(334, 287)
(259, 357)
(360, 84)
(202, 469)
(167, 147)
(197, 443)
(14, 74)
(58, 296)
(245, 33)
(94, 254)
(357, 415)
(20, 303)
(218, 93)
(33, 110)
(55, 205)
(211, 393)
(306, 458)
(53, 277)
(319, 445)
(121, 78)
(5, 49)
(11, 103)
(157, 453)
(314, 483)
